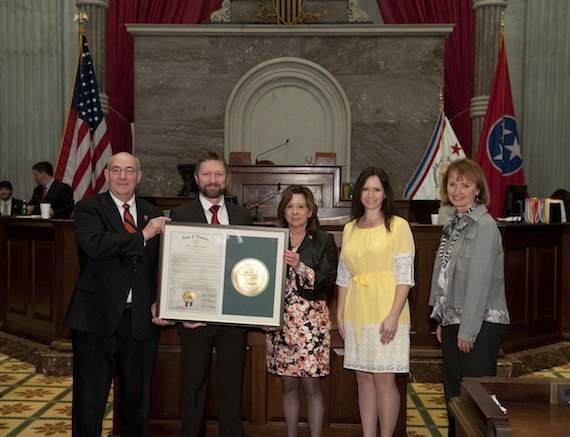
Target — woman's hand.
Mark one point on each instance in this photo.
(438, 333)
(388, 329)
(292, 258)
(191, 325)
(464, 346)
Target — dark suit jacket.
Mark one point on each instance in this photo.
(318, 251)
(194, 213)
(59, 195)
(17, 206)
(113, 262)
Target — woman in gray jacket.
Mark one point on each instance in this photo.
(468, 282)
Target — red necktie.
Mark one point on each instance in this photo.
(43, 192)
(128, 220)
(214, 211)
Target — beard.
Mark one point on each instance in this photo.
(212, 191)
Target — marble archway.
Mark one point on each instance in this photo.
(289, 99)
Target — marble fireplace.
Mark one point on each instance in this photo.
(367, 92)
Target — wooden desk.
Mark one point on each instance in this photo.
(253, 184)
(40, 265)
(535, 406)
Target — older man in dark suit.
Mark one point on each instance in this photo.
(198, 339)
(110, 311)
(50, 190)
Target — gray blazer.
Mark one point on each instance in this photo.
(476, 273)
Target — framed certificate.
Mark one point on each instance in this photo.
(222, 274)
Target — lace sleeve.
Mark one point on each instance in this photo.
(404, 268)
(343, 276)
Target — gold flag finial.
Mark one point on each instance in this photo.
(81, 17)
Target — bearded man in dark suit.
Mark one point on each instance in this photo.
(198, 339)
(110, 311)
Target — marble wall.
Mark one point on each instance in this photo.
(184, 76)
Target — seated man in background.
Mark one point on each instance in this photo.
(9, 205)
(50, 190)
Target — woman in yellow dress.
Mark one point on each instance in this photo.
(374, 277)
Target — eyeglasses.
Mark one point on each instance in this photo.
(129, 171)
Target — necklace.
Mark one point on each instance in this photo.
(457, 223)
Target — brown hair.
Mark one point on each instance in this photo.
(43, 167)
(471, 171)
(388, 207)
(287, 195)
(211, 156)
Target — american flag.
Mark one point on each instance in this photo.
(85, 146)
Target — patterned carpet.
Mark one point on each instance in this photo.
(33, 404)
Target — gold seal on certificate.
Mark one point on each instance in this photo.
(189, 296)
(250, 277)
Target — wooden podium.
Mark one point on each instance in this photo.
(263, 184)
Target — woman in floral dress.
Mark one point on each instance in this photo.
(300, 352)
(375, 275)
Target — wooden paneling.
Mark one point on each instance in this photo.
(534, 256)
(42, 265)
(262, 407)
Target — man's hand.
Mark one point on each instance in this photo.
(157, 320)
(154, 227)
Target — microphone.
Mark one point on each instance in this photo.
(286, 143)
(265, 197)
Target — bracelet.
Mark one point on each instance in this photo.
(301, 270)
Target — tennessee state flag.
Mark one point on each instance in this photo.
(499, 150)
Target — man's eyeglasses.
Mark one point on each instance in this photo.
(129, 171)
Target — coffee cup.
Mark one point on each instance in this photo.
(435, 219)
(44, 210)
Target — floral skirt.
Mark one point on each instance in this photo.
(302, 347)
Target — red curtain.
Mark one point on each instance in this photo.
(459, 52)
(120, 74)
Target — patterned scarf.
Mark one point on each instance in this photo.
(451, 232)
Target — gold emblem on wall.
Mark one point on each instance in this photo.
(287, 12)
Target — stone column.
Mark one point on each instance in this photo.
(95, 28)
(488, 15)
